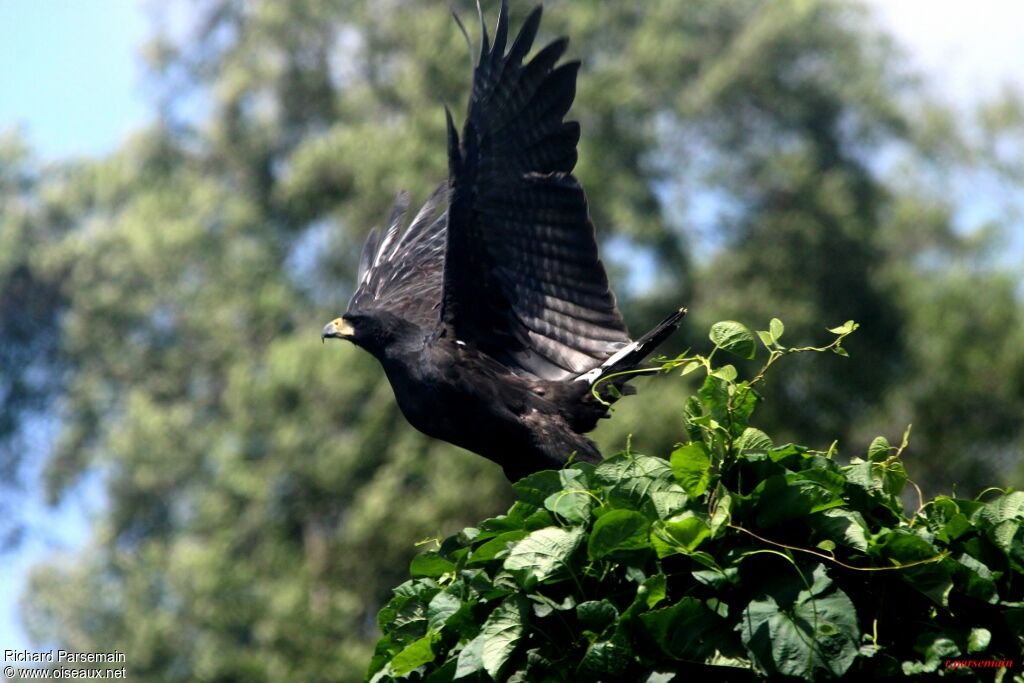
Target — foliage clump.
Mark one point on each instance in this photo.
(734, 559)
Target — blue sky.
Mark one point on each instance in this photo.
(70, 73)
(72, 82)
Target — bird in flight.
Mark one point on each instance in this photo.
(491, 312)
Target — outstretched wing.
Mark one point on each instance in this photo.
(402, 272)
(522, 278)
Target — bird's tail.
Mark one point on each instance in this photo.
(629, 356)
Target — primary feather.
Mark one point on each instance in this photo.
(523, 279)
(402, 271)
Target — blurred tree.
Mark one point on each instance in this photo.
(30, 303)
(263, 493)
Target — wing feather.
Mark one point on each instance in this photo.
(522, 277)
(402, 271)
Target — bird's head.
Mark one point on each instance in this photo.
(372, 331)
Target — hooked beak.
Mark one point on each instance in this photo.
(337, 329)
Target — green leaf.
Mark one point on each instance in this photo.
(743, 404)
(978, 640)
(793, 631)
(660, 677)
(543, 555)
(496, 546)
(404, 618)
(766, 339)
(500, 634)
(440, 609)
(846, 328)
(596, 615)
(882, 482)
(670, 501)
(733, 337)
(716, 578)
(691, 465)
(714, 400)
(894, 479)
(934, 580)
(515, 519)
(944, 517)
(1005, 508)
(430, 564)
(879, 449)
(572, 501)
(776, 328)
(686, 630)
(681, 534)
(725, 372)
(608, 657)
(690, 367)
(722, 515)
(653, 590)
(788, 455)
(753, 439)
(630, 467)
(544, 606)
(627, 466)
(616, 531)
(841, 526)
(415, 655)
(1004, 534)
(975, 579)
(903, 547)
(640, 482)
(535, 488)
(471, 658)
(793, 495)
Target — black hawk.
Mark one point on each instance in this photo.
(491, 312)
